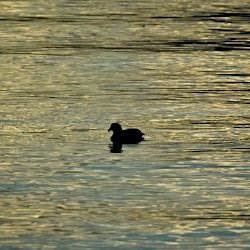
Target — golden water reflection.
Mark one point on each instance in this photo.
(178, 72)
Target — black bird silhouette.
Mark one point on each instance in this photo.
(128, 136)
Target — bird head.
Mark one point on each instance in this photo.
(115, 127)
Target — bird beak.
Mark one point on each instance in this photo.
(109, 129)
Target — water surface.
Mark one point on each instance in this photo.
(177, 70)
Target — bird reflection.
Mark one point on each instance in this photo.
(115, 148)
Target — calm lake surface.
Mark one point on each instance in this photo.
(178, 70)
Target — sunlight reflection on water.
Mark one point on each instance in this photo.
(69, 70)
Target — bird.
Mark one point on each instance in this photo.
(128, 136)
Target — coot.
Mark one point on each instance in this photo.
(128, 136)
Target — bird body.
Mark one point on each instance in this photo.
(128, 136)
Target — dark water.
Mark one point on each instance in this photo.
(178, 70)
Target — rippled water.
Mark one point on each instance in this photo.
(178, 70)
